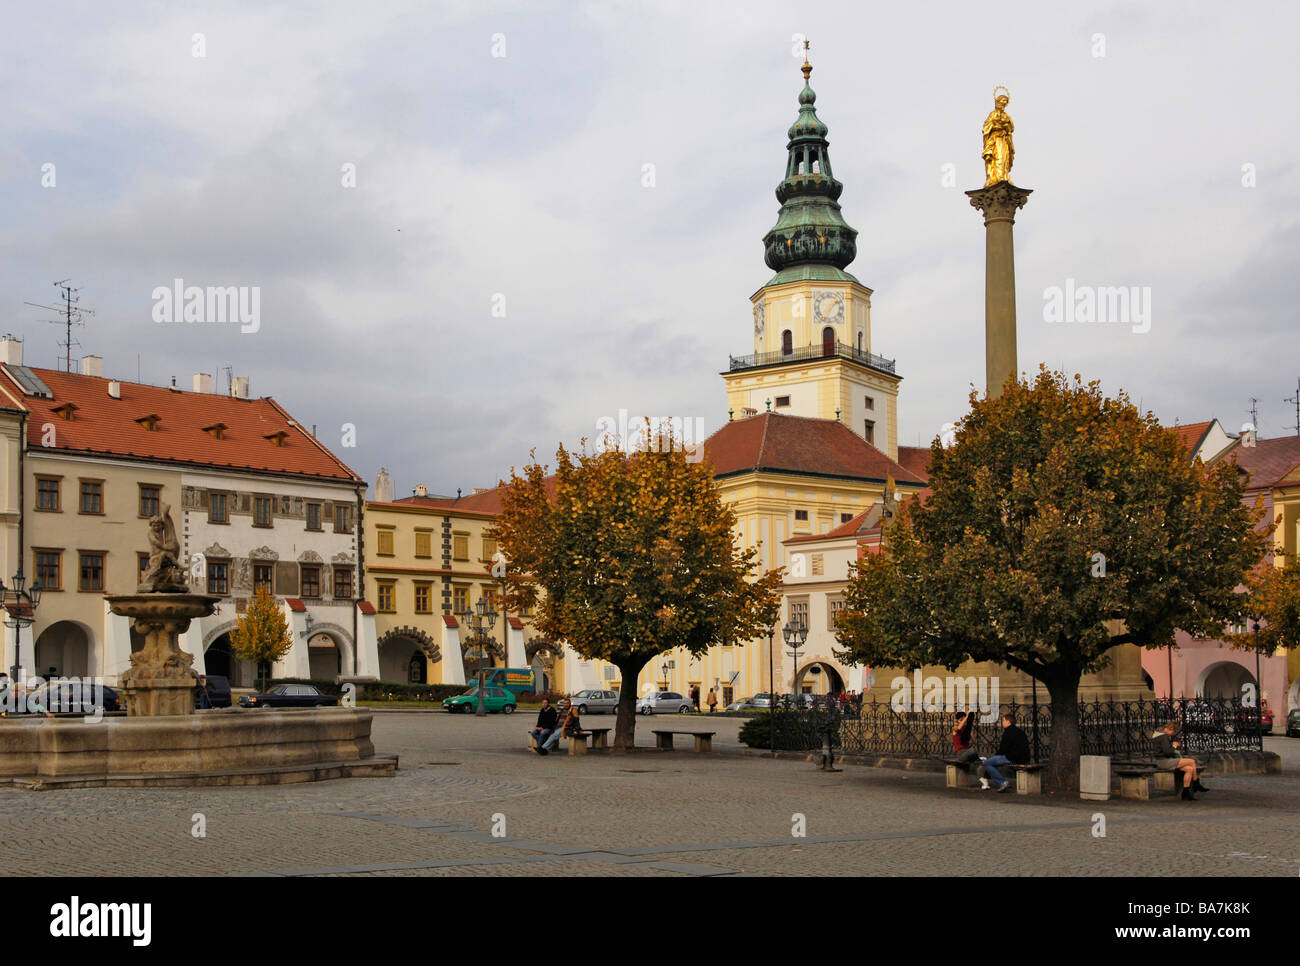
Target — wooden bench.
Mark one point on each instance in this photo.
(598, 736)
(703, 740)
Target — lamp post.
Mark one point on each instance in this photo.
(1259, 682)
(475, 618)
(795, 633)
(20, 603)
(771, 684)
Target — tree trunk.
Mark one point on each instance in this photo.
(1063, 765)
(625, 723)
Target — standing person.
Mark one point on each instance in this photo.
(1013, 749)
(1169, 757)
(547, 718)
(962, 740)
(713, 701)
(695, 696)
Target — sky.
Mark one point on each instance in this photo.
(444, 206)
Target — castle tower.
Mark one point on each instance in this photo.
(812, 320)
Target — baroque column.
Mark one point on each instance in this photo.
(999, 203)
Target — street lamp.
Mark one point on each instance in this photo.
(795, 633)
(20, 605)
(1259, 682)
(475, 619)
(771, 685)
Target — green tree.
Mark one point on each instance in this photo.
(626, 556)
(262, 634)
(1061, 524)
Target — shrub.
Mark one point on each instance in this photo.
(795, 730)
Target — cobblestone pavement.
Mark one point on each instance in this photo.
(648, 813)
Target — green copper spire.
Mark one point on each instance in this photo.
(811, 239)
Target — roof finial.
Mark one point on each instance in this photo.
(807, 67)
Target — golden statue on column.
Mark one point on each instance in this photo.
(998, 149)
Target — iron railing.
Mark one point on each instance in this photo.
(841, 350)
(1121, 729)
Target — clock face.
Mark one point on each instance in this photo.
(828, 306)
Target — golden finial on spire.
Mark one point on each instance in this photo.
(807, 67)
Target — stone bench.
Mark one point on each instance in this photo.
(1029, 778)
(1135, 780)
(599, 739)
(703, 740)
(959, 772)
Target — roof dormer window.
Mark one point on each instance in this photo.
(216, 430)
(150, 422)
(277, 438)
(67, 411)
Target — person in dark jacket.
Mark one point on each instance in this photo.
(547, 718)
(1169, 757)
(1013, 749)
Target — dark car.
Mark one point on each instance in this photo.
(1202, 717)
(1293, 723)
(1250, 720)
(73, 697)
(217, 689)
(290, 696)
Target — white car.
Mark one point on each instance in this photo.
(595, 702)
(664, 702)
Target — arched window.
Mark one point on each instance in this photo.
(859, 340)
(828, 341)
(787, 342)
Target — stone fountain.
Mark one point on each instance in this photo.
(162, 741)
(160, 680)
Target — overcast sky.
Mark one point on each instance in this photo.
(522, 175)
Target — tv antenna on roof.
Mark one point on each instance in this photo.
(72, 315)
(1295, 399)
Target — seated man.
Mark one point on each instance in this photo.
(570, 726)
(1013, 749)
(546, 721)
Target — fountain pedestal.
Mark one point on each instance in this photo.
(160, 680)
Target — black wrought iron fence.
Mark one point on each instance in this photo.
(1121, 729)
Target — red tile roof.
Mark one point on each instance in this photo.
(485, 501)
(450, 621)
(1193, 434)
(366, 607)
(108, 427)
(295, 604)
(797, 444)
(1267, 461)
(916, 459)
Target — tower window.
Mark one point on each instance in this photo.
(828, 341)
(782, 402)
(801, 515)
(870, 402)
(787, 342)
(869, 431)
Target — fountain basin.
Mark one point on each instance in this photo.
(218, 747)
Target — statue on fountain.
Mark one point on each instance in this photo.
(164, 575)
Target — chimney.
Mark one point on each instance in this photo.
(115, 389)
(202, 382)
(239, 387)
(421, 490)
(383, 486)
(92, 366)
(11, 350)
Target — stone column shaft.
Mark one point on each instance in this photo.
(999, 203)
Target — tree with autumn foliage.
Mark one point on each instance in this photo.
(1274, 598)
(629, 556)
(262, 634)
(1061, 523)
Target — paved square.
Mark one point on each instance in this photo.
(649, 813)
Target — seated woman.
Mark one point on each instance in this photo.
(962, 740)
(1169, 757)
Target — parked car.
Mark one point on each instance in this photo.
(664, 702)
(747, 704)
(799, 700)
(762, 700)
(494, 699)
(596, 702)
(74, 697)
(1293, 723)
(218, 691)
(290, 696)
(1251, 719)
